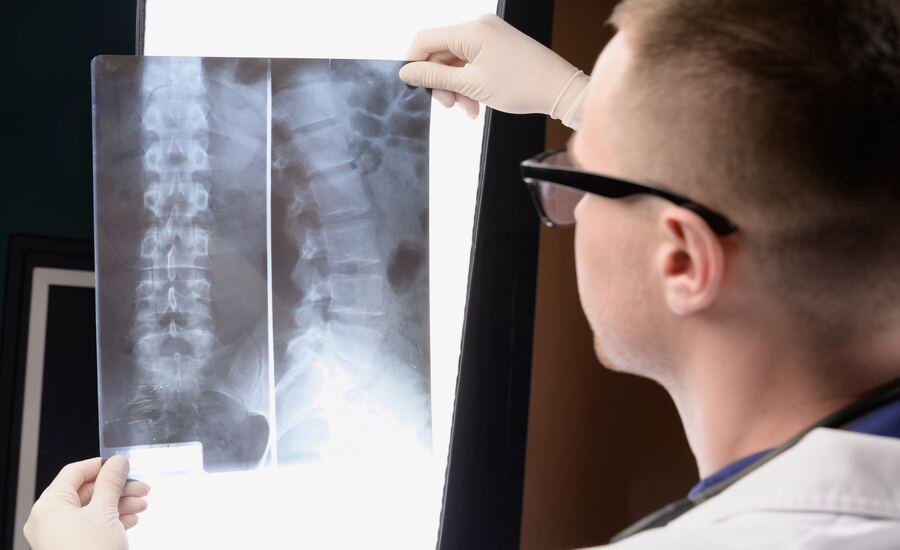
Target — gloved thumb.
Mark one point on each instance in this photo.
(110, 482)
(429, 74)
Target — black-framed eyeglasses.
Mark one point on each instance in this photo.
(557, 187)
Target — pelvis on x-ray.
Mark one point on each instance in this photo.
(262, 259)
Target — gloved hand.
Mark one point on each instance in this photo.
(487, 60)
(87, 508)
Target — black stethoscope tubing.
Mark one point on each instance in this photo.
(873, 400)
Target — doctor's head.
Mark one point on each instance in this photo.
(783, 115)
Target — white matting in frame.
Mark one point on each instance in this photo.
(41, 281)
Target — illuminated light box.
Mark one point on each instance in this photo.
(481, 245)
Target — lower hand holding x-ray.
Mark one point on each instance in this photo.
(87, 508)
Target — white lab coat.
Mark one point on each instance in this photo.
(835, 490)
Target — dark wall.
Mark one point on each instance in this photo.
(45, 111)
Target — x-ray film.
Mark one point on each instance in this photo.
(262, 261)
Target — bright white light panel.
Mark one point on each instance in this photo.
(394, 503)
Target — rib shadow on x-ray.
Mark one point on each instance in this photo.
(325, 354)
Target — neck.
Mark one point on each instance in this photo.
(738, 395)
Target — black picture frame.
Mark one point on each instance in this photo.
(26, 255)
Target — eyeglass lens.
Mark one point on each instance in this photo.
(558, 201)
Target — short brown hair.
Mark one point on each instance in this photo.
(816, 86)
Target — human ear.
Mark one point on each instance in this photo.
(690, 261)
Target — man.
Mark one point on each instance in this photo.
(784, 116)
(769, 298)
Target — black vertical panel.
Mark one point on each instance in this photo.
(69, 395)
(483, 495)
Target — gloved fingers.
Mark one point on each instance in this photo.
(132, 489)
(464, 40)
(110, 483)
(136, 489)
(128, 520)
(467, 104)
(85, 492)
(68, 485)
(434, 75)
(446, 58)
(77, 474)
(131, 505)
(444, 97)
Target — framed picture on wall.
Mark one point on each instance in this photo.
(48, 395)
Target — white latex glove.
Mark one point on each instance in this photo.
(488, 61)
(87, 508)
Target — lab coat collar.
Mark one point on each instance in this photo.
(830, 471)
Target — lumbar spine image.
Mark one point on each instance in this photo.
(173, 328)
(342, 393)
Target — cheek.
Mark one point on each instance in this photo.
(613, 278)
(595, 251)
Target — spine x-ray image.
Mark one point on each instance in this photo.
(262, 261)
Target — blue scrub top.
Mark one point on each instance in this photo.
(884, 422)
